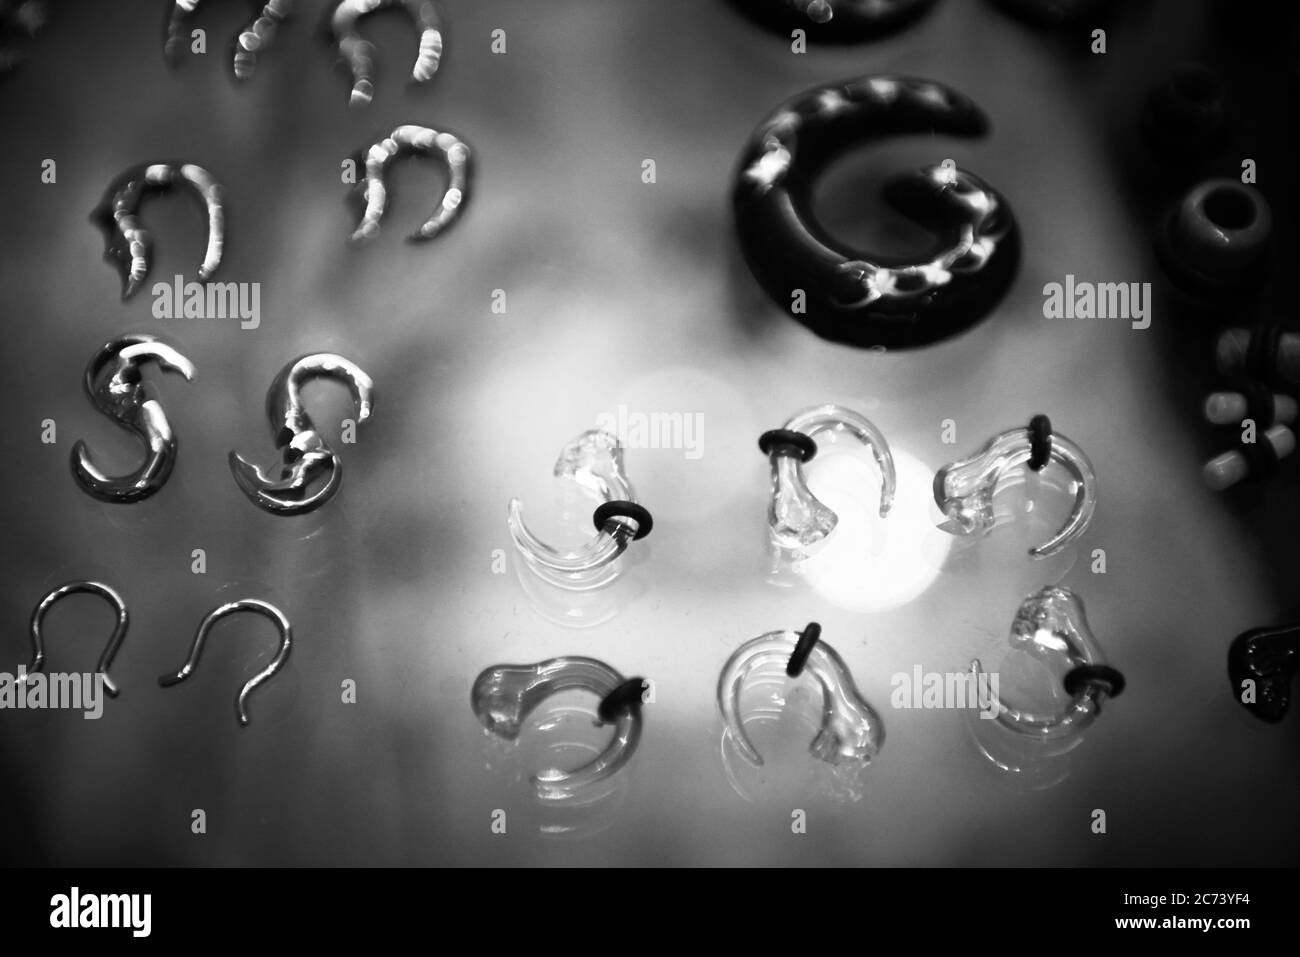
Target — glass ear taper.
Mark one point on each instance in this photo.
(504, 695)
(305, 457)
(114, 640)
(420, 141)
(359, 53)
(595, 461)
(1264, 661)
(114, 384)
(964, 489)
(851, 732)
(1051, 625)
(796, 518)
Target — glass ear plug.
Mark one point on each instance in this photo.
(594, 460)
(1262, 663)
(851, 733)
(114, 641)
(504, 695)
(964, 490)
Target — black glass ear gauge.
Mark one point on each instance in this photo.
(1262, 663)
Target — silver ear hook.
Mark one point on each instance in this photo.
(123, 397)
(796, 518)
(252, 39)
(263, 608)
(504, 695)
(595, 461)
(1052, 626)
(964, 489)
(851, 732)
(129, 244)
(360, 52)
(422, 141)
(114, 641)
(305, 457)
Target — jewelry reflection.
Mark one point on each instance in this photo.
(114, 640)
(123, 397)
(128, 244)
(594, 460)
(421, 141)
(503, 696)
(359, 53)
(250, 42)
(964, 490)
(306, 459)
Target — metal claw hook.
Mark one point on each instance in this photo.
(128, 244)
(851, 732)
(123, 397)
(263, 608)
(422, 141)
(359, 53)
(305, 457)
(504, 695)
(250, 42)
(114, 640)
(796, 518)
(595, 461)
(964, 489)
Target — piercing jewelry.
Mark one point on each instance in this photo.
(964, 489)
(424, 142)
(851, 732)
(1214, 243)
(360, 52)
(123, 397)
(595, 461)
(795, 517)
(1249, 459)
(1261, 664)
(1267, 352)
(251, 41)
(504, 695)
(114, 640)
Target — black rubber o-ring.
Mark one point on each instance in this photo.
(626, 697)
(1040, 442)
(621, 509)
(803, 648)
(1107, 678)
(787, 442)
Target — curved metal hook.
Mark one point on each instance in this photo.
(250, 42)
(267, 610)
(425, 142)
(114, 640)
(128, 244)
(964, 489)
(124, 398)
(1269, 658)
(1052, 626)
(851, 732)
(504, 695)
(360, 52)
(796, 518)
(595, 461)
(865, 298)
(305, 457)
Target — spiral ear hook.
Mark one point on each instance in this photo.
(422, 141)
(851, 732)
(964, 489)
(796, 518)
(114, 640)
(263, 608)
(306, 459)
(359, 53)
(504, 695)
(1052, 626)
(128, 244)
(250, 42)
(595, 461)
(115, 387)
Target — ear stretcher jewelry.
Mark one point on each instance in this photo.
(267, 610)
(114, 640)
(1268, 353)
(422, 141)
(128, 243)
(504, 695)
(114, 384)
(1213, 244)
(359, 53)
(251, 40)
(868, 298)
(1051, 625)
(1262, 663)
(595, 461)
(851, 732)
(795, 517)
(964, 489)
(306, 459)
